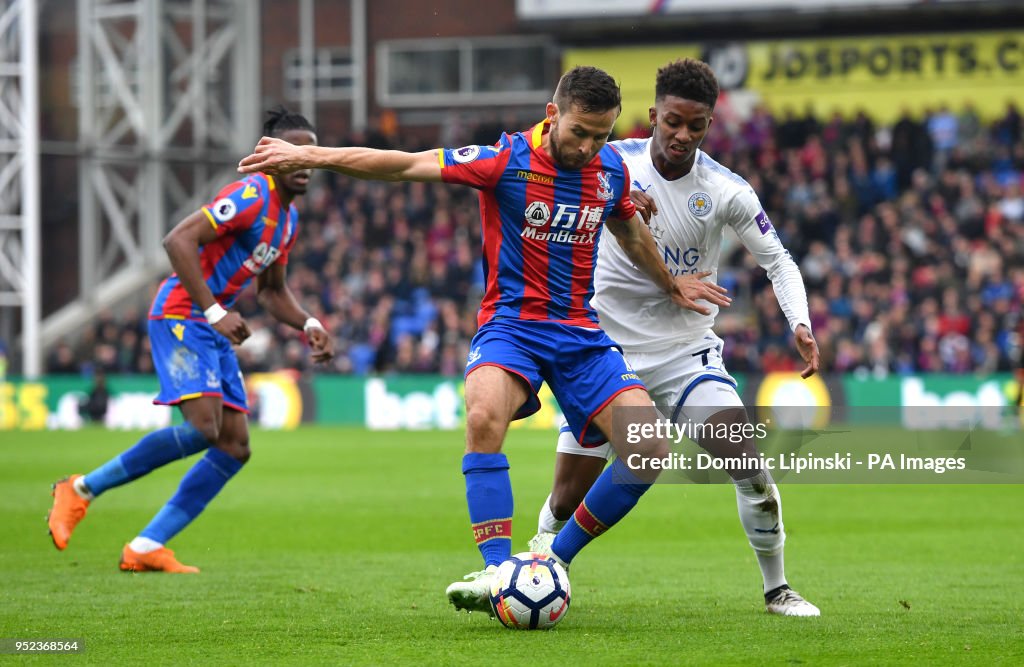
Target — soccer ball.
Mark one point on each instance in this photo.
(530, 592)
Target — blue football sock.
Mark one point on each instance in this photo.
(611, 497)
(154, 450)
(489, 495)
(198, 487)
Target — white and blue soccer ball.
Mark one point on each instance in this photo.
(530, 592)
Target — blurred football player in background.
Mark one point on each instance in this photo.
(246, 232)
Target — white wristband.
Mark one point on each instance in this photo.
(215, 313)
(312, 323)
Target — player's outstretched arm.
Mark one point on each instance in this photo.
(276, 156)
(182, 246)
(636, 241)
(273, 295)
(808, 349)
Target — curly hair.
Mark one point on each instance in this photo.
(688, 78)
(280, 120)
(591, 89)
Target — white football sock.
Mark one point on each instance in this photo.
(143, 545)
(773, 570)
(760, 510)
(81, 489)
(546, 522)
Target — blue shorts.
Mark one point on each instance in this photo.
(193, 360)
(583, 367)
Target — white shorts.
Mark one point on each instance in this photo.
(687, 382)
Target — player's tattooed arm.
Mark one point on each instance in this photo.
(276, 156)
(638, 244)
(636, 241)
(182, 246)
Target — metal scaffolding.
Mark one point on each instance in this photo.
(19, 178)
(169, 96)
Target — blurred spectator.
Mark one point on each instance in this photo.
(943, 129)
(62, 360)
(95, 406)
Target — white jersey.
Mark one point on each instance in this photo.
(692, 214)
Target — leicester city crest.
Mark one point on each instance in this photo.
(700, 204)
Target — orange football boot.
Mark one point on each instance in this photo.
(68, 509)
(161, 560)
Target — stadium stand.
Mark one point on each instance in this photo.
(910, 238)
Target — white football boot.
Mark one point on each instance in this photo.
(787, 602)
(541, 543)
(474, 593)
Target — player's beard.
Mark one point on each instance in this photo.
(559, 157)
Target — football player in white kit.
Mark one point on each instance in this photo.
(674, 351)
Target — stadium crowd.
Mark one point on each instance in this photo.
(910, 238)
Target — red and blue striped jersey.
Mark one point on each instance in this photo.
(541, 224)
(253, 231)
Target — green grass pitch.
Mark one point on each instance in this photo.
(334, 546)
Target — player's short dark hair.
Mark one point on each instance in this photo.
(689, 79)
(280, 120)
(590, 89)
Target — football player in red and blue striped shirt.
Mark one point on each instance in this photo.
(245, 233)
(545, 196)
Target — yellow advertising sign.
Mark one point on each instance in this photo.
(883, 75)
(278, 401)
(23, 406)
(879, 75)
